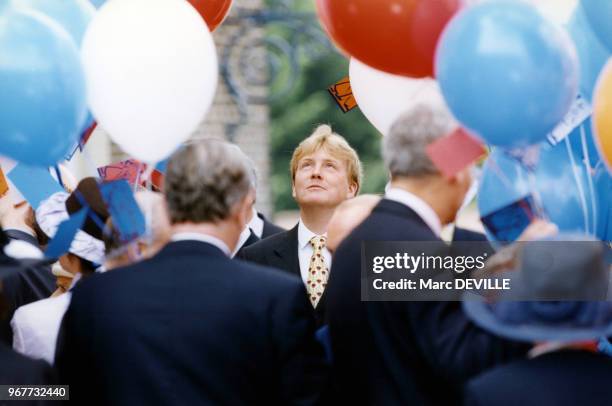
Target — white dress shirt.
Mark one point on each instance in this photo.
(36, 326)
(256, 224)
(417, 204)
(305, 250)
(244, 236)
(204, 238)
(22, 250)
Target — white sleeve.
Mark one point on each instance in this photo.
(18, 338)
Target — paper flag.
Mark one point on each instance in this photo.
(580, 110)
(455, 152)
(507, 223)
(125, 212)
(343, 94)
(35, 183)
(79, 145)
(4, 187)
(60, 244)
(130, 170)
(162, 165)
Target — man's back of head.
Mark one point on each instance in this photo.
(209, 187)
(405, 155)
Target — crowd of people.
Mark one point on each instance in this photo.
(216, 305)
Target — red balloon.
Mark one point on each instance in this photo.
(395, 36)
(213, 11)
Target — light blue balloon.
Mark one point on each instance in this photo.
(98, 3)
(592, 54)
(599, 14)
(42, 89)
(503, 182)
(73, 15)
(506, 72)
(564, 189)
(562, 186)
(603, 185)
(591, 153)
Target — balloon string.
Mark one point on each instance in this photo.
(578, 184)
(538, 206)
(587, 162)
(59, 176)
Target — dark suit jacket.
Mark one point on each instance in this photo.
(560, 378)
(190, 327)
(20, 370)
(269, 228)
(398, 353)
(462, 234)
(281, 251)
(23, 282)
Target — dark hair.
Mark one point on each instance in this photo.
(87, 267)
(111, 237)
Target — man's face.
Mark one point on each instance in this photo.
(322, 180)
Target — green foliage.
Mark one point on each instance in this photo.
(294, 116)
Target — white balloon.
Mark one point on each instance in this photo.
(151, 71)
(383, 97)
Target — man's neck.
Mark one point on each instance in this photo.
(427, 191)
(316, 219)
(221, 230)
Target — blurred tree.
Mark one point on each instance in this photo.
(297, 113)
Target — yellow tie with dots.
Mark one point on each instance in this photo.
(317, 271)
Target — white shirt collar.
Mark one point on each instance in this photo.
(305, 235)
(204, 238)
(417, 204)
(244, 236)
(256, 224)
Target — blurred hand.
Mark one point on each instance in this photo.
(539, 229)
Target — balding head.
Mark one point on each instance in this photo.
(347, 216)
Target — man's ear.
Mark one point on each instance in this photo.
(243, 208)
(293, 189)
(352, 190)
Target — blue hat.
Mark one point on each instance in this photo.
(558, 293)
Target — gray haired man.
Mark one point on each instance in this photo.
(190, 325)
(415, 352)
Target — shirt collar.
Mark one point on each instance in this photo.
(209, 239)
(244, 236)
(417, 204)
(305, 235)
(256, 224)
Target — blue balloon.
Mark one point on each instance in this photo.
(562, 184)
(575, 139)
(43, 89)
(506, 72)
(98, 3)
(599, 14)
(73, 15)
(592, 54)
(503, 182)
(603, 185)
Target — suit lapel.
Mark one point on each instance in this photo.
(286, 254)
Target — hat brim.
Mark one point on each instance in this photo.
(480, 312)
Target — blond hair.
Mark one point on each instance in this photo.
(335, 145)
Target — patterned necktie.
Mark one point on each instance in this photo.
(317, 271)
